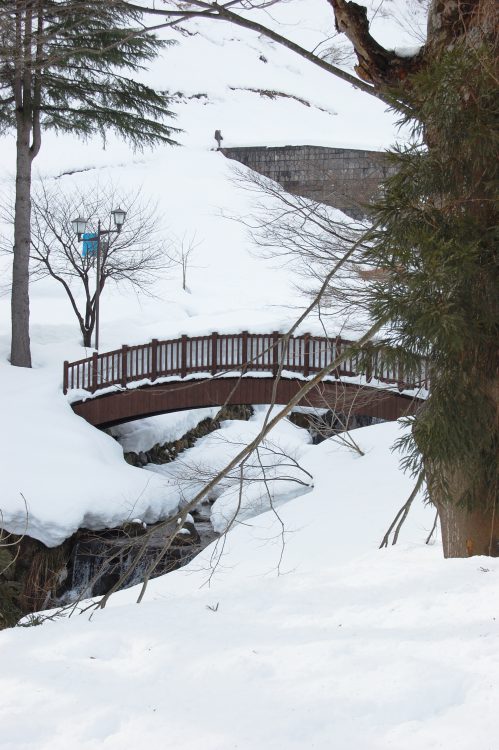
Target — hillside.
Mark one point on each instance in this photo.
(294, 631)
(230, 287)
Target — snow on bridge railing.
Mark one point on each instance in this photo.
(218, 353)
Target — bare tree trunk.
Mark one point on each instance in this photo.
(20, 345)
(466, 533)
(27, 93)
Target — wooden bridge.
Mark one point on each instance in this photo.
(188, 373)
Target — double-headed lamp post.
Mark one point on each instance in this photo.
(80, 226)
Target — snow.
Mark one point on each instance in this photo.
(94, 489)
(75, 395)
(350, 647)
(230, 289)
(62, 474)
(165, 428)
(279, 454)
(294, 632)
(407, 51)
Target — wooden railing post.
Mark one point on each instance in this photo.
(154, 359)
(214, 357)
(370, 366)
(306, 354)
(275, 353)
(65, 377)
(400, 373)
(244, 351)
(124, 365)
(337, 352)
(95, 372)
(183, 356)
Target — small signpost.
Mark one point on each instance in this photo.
(89, 244)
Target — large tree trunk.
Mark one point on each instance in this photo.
(465, 531)
(20, 345)
(469, 531)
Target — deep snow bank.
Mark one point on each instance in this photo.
(70, 474)
(352, 647)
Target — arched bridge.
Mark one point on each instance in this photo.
(191, 372)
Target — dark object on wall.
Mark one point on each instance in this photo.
(218, 138)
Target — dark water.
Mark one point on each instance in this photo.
(101, 559)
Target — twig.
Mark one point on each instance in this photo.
(432, 528)
(402, 515)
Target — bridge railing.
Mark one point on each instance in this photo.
(218, 353)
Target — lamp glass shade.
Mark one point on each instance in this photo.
(79, 225)
(119, 217)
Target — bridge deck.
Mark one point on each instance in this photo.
(227, 356)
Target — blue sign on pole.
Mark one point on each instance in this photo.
(89, 247)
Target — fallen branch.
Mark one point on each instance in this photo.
(428, 538)
(402, 514)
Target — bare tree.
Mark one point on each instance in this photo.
(310, 237)
(180, 253)
(133, 256)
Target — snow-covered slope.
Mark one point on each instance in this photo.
(76, 477)
(302, 635)
(350, 647)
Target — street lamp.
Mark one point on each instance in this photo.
(79, 226)
(119, 217)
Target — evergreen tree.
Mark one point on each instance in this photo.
(439, 289)
(70, 66)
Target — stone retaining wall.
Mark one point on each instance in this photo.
(343, 178)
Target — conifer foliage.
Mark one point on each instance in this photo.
(438, 247)
(70, 65)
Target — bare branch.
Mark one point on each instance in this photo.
(399, 519)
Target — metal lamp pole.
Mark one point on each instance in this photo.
(79, 226)
(97, 290)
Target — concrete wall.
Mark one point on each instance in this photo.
(343, 178)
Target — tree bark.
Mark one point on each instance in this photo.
(376, 64)
(87, 337)
(27, 127)
(448, 21)
(20, 344)
(466, 533)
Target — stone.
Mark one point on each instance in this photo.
(312, 171)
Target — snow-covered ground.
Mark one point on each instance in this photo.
(349, 647)
(296, 632)
(230, 288)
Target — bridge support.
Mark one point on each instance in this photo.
(125, 406)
